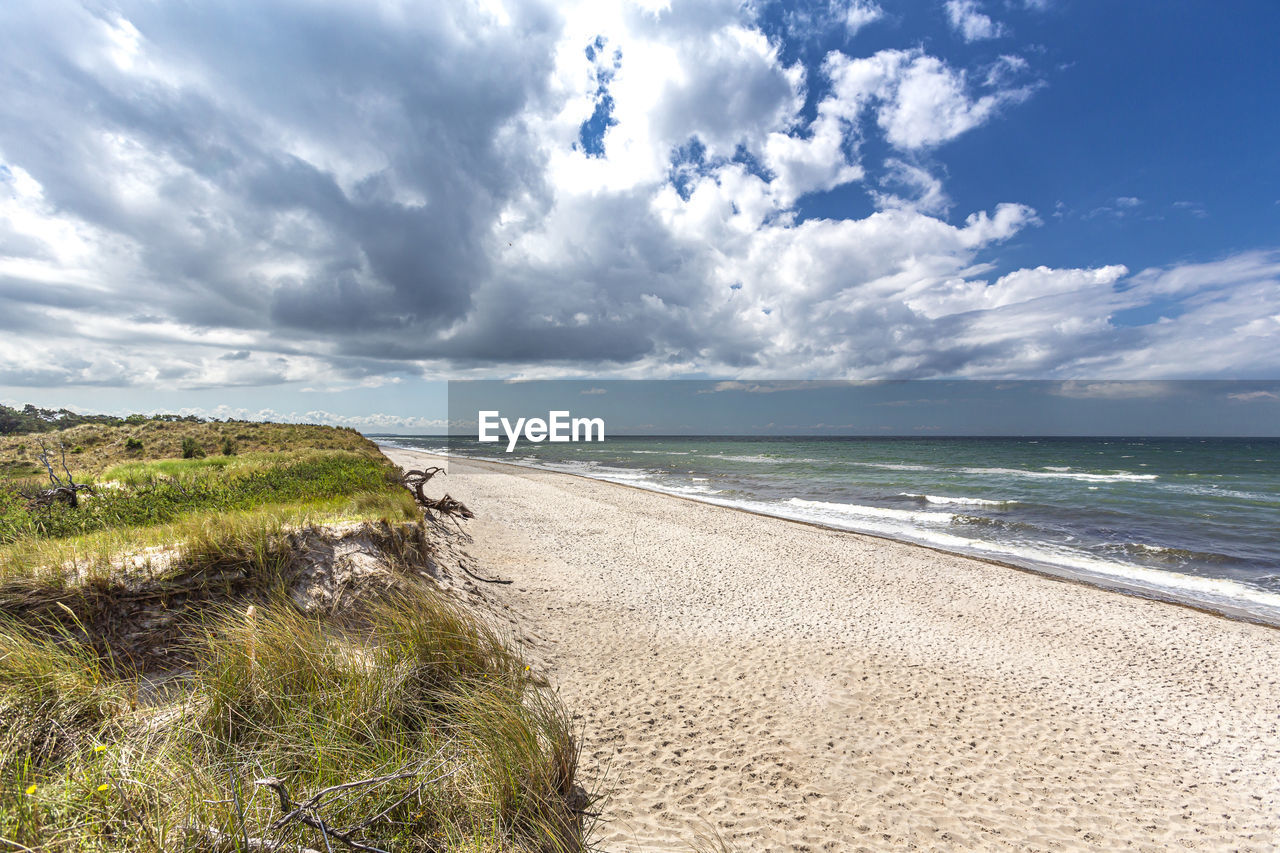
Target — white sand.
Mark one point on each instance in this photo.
(803, 689)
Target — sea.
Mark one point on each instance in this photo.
(1194, 521)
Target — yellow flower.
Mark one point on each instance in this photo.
(31, 790)
(104, 786)
(102, 747)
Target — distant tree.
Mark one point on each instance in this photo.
(33, 419)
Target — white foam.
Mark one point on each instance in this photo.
(860, 511)
(894, 466)
(760, 460)
(943, 500)
(1115, 477)
(1216, 492)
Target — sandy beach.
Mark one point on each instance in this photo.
(796, 688)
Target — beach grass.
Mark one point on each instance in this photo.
(403, 722)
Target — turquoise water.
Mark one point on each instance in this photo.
(1191, 520)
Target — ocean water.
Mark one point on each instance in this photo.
(1190, 520)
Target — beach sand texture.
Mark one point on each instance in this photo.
(803, 689)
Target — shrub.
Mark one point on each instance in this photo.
(229, 446)
(132, 444)
(191, 449)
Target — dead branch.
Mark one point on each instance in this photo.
(60, 491)
(446, 505)
(300, 813)
(483, 580)
(308, 811)
(451, 507)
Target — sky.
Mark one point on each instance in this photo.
(324, 211)
(917, 408)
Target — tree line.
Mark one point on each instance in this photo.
(35, 419)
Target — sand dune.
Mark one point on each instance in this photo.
(803, 689)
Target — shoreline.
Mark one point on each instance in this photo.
(793, 686)
(1270, 619)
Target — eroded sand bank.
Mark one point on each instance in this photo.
(803, 689)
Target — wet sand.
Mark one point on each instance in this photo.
(796, 688)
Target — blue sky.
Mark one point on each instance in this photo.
(324, 211)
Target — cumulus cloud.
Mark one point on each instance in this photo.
(968, 20)
(253, 194)
(858, 13)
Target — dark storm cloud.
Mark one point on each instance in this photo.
(419, 107)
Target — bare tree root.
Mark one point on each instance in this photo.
(446, 505)
(61, 491)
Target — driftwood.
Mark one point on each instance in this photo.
(446, 505)
(61, 491)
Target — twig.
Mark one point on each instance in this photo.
(477, 577)
(128, 804)
(370, 820)
(299, 813)
(308, 813)
(235, 793)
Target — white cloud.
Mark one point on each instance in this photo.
(970, 23)
(348, 225)
(919, 100)
(858, 13)
(924, 190)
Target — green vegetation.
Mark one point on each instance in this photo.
(140, 494)
(168, 699)
(108, 445)
(35, 419)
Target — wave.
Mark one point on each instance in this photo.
(1048, 472)
(435, 451)
(1163, 553)
(897, 466)
(1114, 477)
(941, 499)
(861, 511)
(766, 460)
(1215, 492)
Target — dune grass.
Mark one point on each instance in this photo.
(411, 690)
(418, 690)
